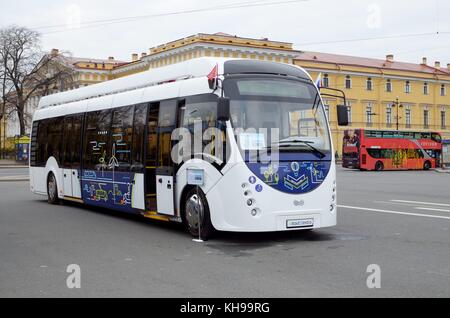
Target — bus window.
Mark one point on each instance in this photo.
(374, 153)
(152, 136)
(96, 150)
(76, 141)
(436, 137)
(166, 123)
(200, 110)
(67, 147)
(140, 117)
(122, 136)
(41, 149)
(54, 139)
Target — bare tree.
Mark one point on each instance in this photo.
(27, 71)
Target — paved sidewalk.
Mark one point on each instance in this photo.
(8, 164)
(14, 178)
(442, 170)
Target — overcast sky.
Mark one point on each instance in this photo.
(302, 23)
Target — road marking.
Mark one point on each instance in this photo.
(431, 209)
(418, 202)
(394, 212)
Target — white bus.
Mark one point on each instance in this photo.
(116, 145)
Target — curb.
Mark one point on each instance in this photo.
(14, 179)
(13, 167)
(442, 171)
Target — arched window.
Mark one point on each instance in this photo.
(425, 89)
(326, 81)
(389, 86)
(408, 87)
(369, 84)
(348, 82)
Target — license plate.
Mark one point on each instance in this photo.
(302, 223)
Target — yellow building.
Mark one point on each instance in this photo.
(213, 45)
(375, 88)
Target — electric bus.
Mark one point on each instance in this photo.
(215, 144)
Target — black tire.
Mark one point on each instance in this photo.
(52, 189)
(196, 200)
(427, 165)
(379, 166)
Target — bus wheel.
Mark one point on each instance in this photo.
(379, 166)
(196, 214)
(52, 189)
(427, 165)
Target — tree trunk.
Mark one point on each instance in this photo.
(21, 114)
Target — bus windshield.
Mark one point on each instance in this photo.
(285, 114)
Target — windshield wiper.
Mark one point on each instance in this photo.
(285, 144)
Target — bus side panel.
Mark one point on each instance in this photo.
(38, 180)
(108, 189)
(138, 192)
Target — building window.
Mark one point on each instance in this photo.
(369, 84)
(326, 81)
(389, 86)
(349, 112)
(408, 87)
(389, 115)
(369, 114)
(348, 82)
(408, 117)
(443, 90)
(443, 119)
(327, 110)
(425, 89)
(426, 118)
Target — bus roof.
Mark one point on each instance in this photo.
(195, 68)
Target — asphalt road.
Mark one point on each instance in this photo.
(397, 220)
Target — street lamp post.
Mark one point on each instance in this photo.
(397, 104)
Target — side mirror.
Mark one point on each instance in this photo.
(223, 109)
(342, 115)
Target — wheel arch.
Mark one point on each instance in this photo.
(53, 167)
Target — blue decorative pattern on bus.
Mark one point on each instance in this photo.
(109, 189)
(294, 177)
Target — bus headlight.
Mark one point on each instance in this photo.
(250, 202)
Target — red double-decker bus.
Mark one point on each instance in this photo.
(391, 150)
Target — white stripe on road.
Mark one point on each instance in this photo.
(418, 202)
(430, 209)
(394, 212)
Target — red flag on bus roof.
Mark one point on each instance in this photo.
(213, 77)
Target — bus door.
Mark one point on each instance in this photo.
(160, 183)
(71, 156)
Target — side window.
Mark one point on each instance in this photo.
(200, 111)
(140, 117)
(54, 139)
(122, 138)
(67, 145)
(34, 144)
(96, 150)
(152, 136)
(166, 124)
(77, 127)
(41, 155)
